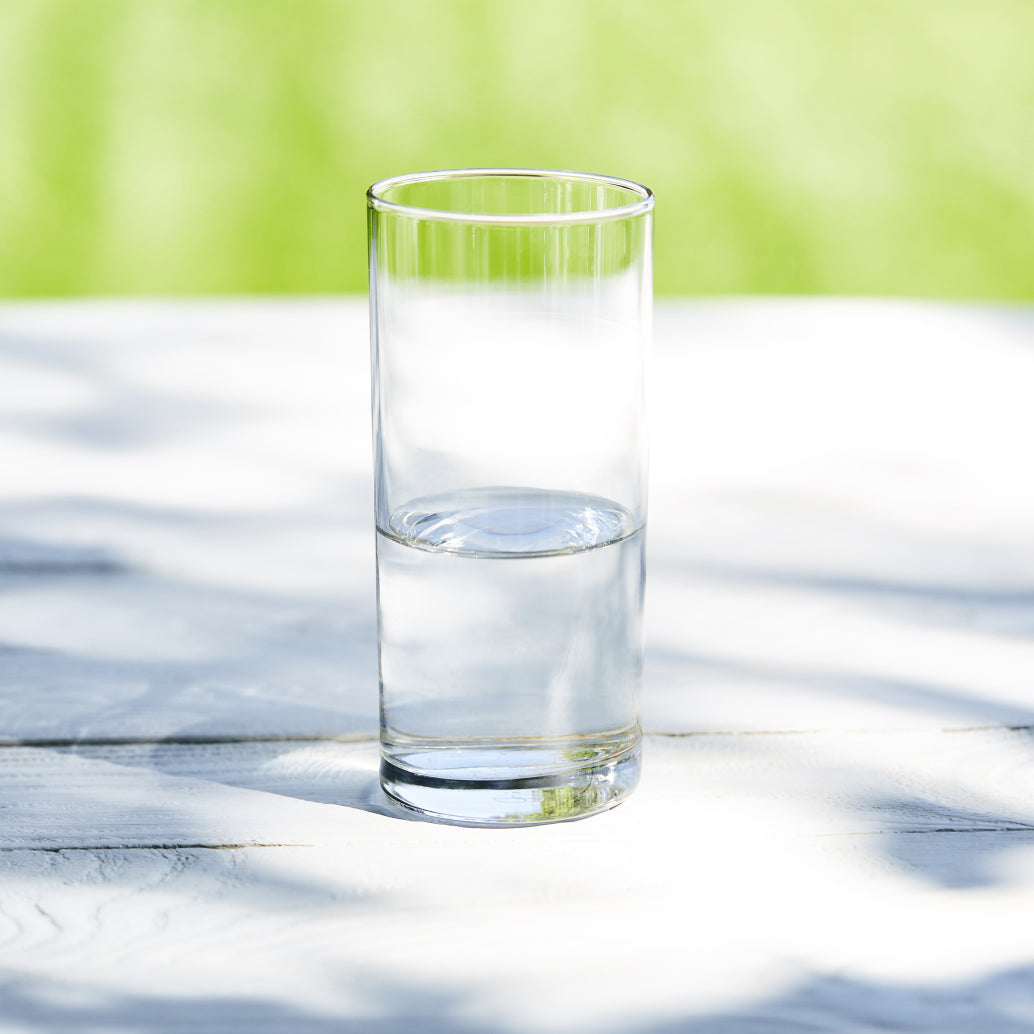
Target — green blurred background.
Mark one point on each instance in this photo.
(224, 146)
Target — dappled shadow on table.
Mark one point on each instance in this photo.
(1002, 1002)
(187, 632)
(186, 536)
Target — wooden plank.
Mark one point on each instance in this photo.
(185, 555)
(185, 539)
(138, 654)
(754, 882)
(185, 529)
(279, 792)
(749, 649)
(839, 537)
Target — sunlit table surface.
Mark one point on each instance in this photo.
(835, 828)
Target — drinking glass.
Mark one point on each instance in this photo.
(510, 318)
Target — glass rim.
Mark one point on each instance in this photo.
(644, 198)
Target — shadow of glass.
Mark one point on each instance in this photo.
(343, 773)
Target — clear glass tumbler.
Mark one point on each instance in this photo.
(510, 317)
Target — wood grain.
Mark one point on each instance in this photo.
(835, 829)
(148, 886)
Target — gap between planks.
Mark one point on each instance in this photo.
(198, 741)
(166, 846)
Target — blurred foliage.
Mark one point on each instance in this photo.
(196, 146)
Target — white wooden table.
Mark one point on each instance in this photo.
(835, 831)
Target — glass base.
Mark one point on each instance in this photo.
(509, 784)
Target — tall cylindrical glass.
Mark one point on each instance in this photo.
(510, 316)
